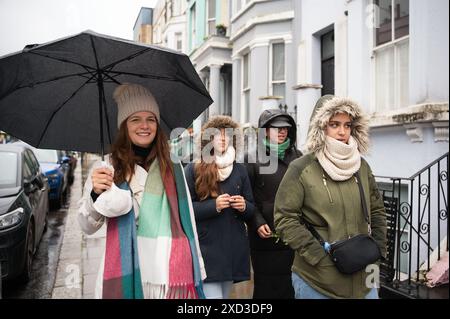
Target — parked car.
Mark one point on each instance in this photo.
(72, 165)
(56, 167)
(24, 207)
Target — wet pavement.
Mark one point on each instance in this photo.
(45, 262)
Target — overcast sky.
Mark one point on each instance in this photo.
(25, 22)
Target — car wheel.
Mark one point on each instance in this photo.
(29, 253)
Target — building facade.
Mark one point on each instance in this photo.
(143, 27)
(391, 56)
(263, 57)
(210, 50)
(170, 24)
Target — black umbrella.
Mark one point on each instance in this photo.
(58, 95)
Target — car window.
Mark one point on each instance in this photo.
(8, 169)
(46, 156)
(34, 162)
(27, 168)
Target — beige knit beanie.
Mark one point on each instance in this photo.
(132, 98)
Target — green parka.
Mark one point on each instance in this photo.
(333, 208)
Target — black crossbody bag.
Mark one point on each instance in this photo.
(355, 253)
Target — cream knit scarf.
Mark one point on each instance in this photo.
(338, 159)
(224, 163)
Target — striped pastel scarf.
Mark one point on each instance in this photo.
(166, 247)
(121, 275)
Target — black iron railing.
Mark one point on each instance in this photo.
(417, 218)
(285, 108)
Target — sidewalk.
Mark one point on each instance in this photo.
(68, 282)
(81, 254)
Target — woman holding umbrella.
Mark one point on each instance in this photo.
(152, 249)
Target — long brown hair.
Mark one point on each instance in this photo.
(206, 184)
(124, 159)
(206, 174)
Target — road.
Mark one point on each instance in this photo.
(45, 262)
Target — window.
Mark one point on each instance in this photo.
(211, 19)
(176, 7)
(168, 11)
(391, 54)
(28, 169)
(246, 86)
(327, 57)
(179, 41)
(278, 81)
(8, 169)
(390, 29)
(238, 6)
(34, 162)
(193, 26)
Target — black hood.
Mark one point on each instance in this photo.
(269, 115)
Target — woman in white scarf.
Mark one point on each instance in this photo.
(321, 189)
(223, 201)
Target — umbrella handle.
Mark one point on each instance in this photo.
(103, 164)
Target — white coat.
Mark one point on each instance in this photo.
(91, 220)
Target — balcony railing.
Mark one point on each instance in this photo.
(417, 218)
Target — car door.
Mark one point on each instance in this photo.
(64, 169)
(34, 193)
(42, 183)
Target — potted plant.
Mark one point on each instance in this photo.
(221, 29)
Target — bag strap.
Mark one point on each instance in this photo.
(364, 207)
(313, 231)
(363, 202)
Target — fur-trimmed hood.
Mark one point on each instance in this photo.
(324, 110)
(222, 121)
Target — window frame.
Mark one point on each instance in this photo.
(395, 45)
(211, 19)
(245, 89)
(193, 17)
(273, 82)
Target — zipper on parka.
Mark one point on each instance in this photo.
(326, 187)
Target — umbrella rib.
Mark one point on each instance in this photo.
(106, 115)
(110, 66)
(88, 68)
(112, 79)
(43, 82)
(58, 109)
(158, 77)
(147, 76)
(100, 89)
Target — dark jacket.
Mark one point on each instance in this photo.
(223, 236)
(271, 258)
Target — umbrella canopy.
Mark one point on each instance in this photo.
(58, 95)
